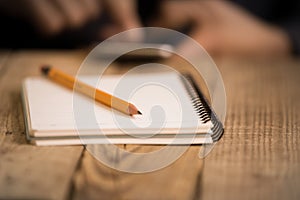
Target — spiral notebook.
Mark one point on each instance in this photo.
(174, 112)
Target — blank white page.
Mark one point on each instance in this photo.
(162, 98)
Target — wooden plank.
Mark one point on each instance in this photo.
(27, 171)
(180, 180)
(258, 158)
(259, 155)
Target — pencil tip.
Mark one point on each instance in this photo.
(132, 110)
(45, 69)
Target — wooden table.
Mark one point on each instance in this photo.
(257, 158)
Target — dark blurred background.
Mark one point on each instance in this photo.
(222, 27)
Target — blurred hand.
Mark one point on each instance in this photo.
(124, 15)
(53, 16)
(224, 28)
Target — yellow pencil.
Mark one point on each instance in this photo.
(100, 96)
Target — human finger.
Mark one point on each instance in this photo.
(92, 7)
(74, 13)
(124, 16)
(45, 16)
(176, 14)
(123, 13)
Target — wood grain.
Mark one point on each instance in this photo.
(258, 158)
(259, 155)
(179, 180)
(27, 171)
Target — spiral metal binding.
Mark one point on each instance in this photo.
(202, 108)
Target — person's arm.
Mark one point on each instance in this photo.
(124, 16)
(224, 28)
(50, 17)
(284, 14)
